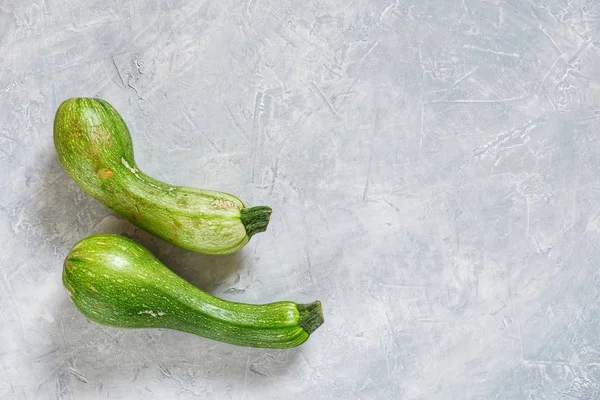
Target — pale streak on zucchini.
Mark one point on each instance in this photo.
(114, 281)
(94, 146)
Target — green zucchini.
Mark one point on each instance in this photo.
(95, 148)
(114, 281)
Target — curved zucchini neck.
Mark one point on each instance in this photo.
(141, 198)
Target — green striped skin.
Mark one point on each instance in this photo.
(114, 281)
(95, 148)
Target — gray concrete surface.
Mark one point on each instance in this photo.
(433, 166)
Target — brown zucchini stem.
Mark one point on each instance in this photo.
(255, 219)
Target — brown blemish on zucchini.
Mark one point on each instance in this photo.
(102, 136)
(224, 204)
(105, 173)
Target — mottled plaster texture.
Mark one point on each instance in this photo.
(433, 166)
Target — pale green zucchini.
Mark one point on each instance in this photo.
(95, 148)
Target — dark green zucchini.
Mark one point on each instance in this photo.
(114, 281)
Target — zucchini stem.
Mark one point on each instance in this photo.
(311, 316)
(256, 219)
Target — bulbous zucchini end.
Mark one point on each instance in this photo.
(255, 219)
(311, 316)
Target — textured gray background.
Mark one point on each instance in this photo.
(433, 166)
